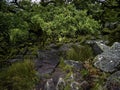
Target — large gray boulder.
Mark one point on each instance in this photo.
(109, 60)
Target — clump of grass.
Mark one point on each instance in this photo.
(19, 76)
(84, 72)
(79, 53)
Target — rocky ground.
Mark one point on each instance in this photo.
(58, 73)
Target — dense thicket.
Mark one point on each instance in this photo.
(26, 22)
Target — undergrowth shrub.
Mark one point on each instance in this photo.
(18, 35)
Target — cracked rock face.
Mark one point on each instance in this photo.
(109, 60)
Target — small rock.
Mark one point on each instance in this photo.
(49, 85)
(61, 84)
(75, 86)
(75, 64)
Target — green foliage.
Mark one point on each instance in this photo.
(33, 49)
(67, 87)
(81, 4)
(112, 34)
(67, 20)
(79, 53)
(84, 72)
(63, 20)
(93, 7)
(65, 67)
(54, 21)
(5, 21)
(111, 11)
(97, 87)
(115, 34)
(61, 64)
(17, 35)
(58, 21)
(111, 15)
(83, 38)
(99, 82)
(4, 49)
(37, 22)
(19, 76)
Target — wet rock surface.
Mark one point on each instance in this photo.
(109, 60)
